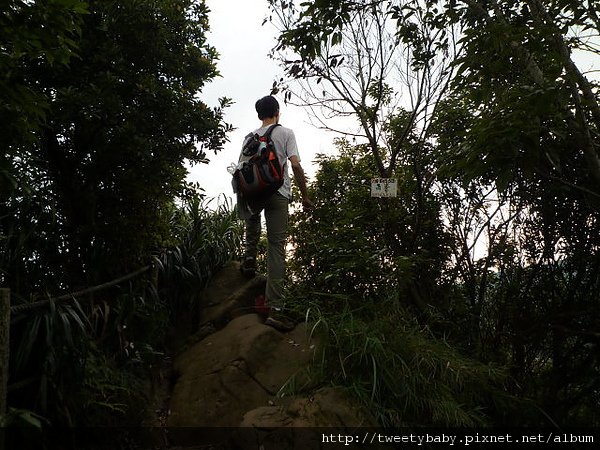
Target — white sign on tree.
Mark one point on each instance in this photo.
(384, 187)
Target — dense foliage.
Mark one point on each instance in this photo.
(351, 242)
(505, 179)
(100, 113)
(365, 269)
(32, 34)
(122, 117)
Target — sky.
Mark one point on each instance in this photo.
(247, 73)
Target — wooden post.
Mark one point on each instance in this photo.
(4, 348)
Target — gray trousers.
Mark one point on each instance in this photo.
(276, 216)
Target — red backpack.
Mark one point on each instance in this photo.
(259, 173)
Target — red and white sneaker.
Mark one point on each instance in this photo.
(260, 306)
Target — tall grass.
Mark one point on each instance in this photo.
(83, 363)
(206, 240)
(399, 371)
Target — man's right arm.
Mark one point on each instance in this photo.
(301, 181)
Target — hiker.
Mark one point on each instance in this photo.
(275, 207)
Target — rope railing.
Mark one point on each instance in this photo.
(71, 296)
(6, 311)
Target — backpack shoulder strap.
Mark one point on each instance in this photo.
(270, 130)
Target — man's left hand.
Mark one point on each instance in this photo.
(307, 204)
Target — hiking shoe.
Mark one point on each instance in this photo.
(248, 267)
(279, 322)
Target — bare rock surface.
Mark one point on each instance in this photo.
(328, 407)
(237, 372)
(229, 295)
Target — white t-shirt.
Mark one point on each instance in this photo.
(284, 141)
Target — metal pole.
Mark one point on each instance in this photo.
(4, 348)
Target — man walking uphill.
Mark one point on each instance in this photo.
(276, 211)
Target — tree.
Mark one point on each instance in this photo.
(383, 67)
(31, 34)
(383, 64)
(522, 34)
(96, 160)
(520, 126)
(364, 245)
(108, 157)
(356, 265)
(513, 150)
(42, 34)
(530, 41)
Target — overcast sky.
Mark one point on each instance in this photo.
(248, 74)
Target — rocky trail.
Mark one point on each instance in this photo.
(232, 383)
